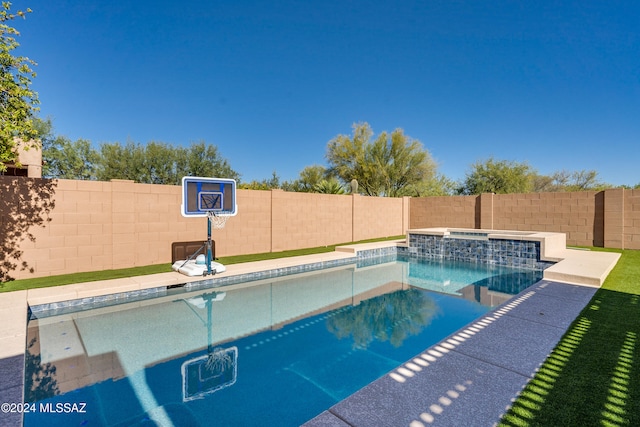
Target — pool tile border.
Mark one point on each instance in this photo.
(505, 252)
(362, 258)
(62, 307)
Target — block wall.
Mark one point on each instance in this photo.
(118, 224)
(444, 211)
(571, 213)
(631, 230)
(307, 220)
(609, 218)
(378, 217)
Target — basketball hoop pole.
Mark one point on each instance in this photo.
(209, 252)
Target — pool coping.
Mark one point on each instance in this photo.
(469, 373)
(581, 269)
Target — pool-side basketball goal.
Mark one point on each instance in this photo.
(214, 199)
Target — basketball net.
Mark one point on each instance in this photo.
(217, 221)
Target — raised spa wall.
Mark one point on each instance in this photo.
(532, 250)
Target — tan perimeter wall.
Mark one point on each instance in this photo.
(609, 218)
(109, 225)
(444, 211)
(631, 229)
(119, 224)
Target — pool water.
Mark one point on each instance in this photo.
(270, 352)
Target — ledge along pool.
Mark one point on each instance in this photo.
(270, 352)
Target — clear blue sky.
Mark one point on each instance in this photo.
(555, 84)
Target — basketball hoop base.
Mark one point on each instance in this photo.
(192, 268)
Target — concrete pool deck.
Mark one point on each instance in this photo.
(467, 376)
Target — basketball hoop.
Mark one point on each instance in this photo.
(218, 221)
(211, 198)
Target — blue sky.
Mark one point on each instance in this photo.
(555, 84)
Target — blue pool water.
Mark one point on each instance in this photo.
(270, 352)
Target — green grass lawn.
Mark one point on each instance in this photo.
(67, 279)
(592, 377)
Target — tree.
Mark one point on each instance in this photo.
(203, 159)
(563, 180)
(585, 180)
(543, 183)
(121, 162)
(386, 166)
(62, 158)
(439, 185)
(497, 176)
(70, 160)
(310, 176)
(18, 103)
(160, 163)
(266, 184)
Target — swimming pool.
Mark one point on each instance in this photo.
(273, 352)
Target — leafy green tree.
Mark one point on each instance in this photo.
(18, 103)
(65, 159)
(497, 176)
(266, 184)
(439, 185)
(563, 180)
(311, 176)
(160, 163)
(585, 180)
(203, 159)
(62, 158)
(388, 165)
(119, 161)
(542, 183)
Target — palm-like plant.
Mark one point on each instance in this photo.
(329, 186)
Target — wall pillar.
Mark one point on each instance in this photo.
(353, 216)
(406, 214)
(614, 218)
(276, 215)
(486, 211)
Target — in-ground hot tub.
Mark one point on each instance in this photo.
(526, 249)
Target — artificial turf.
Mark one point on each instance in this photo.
(67, 279)
(592, 377)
